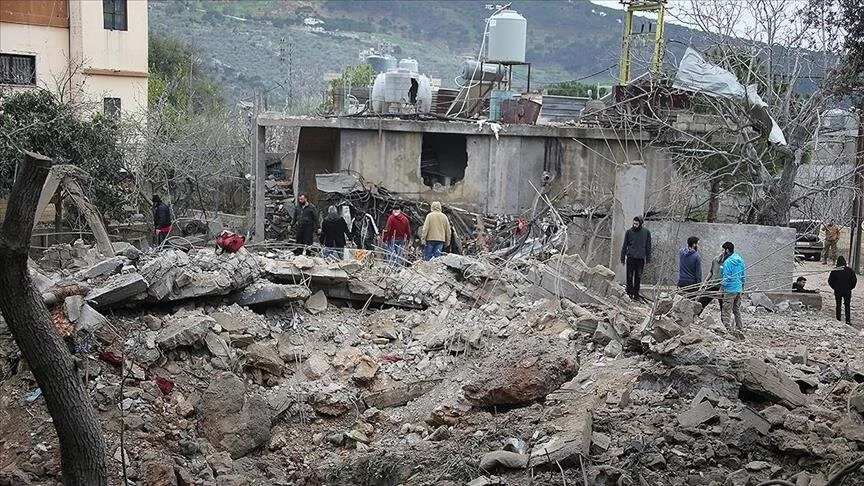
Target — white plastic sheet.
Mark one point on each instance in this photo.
(698, 75)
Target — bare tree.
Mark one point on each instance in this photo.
(764, 43)
(82, 448)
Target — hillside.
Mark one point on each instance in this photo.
(264, 45)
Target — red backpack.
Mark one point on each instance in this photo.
(229, 242)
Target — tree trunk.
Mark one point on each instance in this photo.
(714, 200)
(82, 449)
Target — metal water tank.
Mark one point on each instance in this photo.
(490, 73)
(396, 86)
(409, 64)
(507, 37)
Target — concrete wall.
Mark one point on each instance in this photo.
(500, 172)
(767, 250)
(102, 63)
(50, 45)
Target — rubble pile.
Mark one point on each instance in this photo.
(269, 368)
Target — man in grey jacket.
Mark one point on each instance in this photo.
(635, 253)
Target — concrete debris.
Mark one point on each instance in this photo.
(261, 294)
(298, 370)
(761, 300)
(120, 289)
(317, 302)
(520, 378)
(766, 381)
(186, 330)
(233, 421)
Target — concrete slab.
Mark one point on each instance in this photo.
(271, 294)
(280, 271)
(813, 301)
(555, 284)
(697, 415)
(399, 395)
(117, 290)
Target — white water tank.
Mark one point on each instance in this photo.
(409, 64)
(507, 37)
(396, 86)
(391, 93)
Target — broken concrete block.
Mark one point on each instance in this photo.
(188, 330)
(811, 300)
(331, 400)
(515, 380)
(216, 345)
(315, 367)
(556, 284)
(705, 394)
(566, 447)
(587, 323)
(684, 311)
(231, 420)
(775, 414)
(491, 461)
(101, 269)
(761, 300)
(73, 305)
(665, 328)
(799, 355)
(604, 334)
(697, 415)
(90, 319)
(301, 269)
(399, 395)
(365, 370)
(317, 302)
(766, 381)
(264, 358)
(117, 290)
(271, 294)
(613, 349)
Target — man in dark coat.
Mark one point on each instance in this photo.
(305, 220)
(635, 253)
(161, 220)
(364, 231)
(333, 231)
(842, 279)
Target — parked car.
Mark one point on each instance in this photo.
(808, 242)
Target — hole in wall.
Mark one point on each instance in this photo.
(443, 159)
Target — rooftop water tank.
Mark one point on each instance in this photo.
(507, 37)
(409, 64)
(392, 92)
(396, 86)
(490, 73)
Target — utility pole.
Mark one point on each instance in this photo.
(859, 187)
(657, 7)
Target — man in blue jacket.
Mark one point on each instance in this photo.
(690, 266)
(734, 273)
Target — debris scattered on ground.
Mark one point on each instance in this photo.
(270, 368)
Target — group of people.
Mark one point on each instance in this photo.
(334, 232)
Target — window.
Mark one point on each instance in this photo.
(111, 107)
(15, 69)
(443, 159)
(114, 14)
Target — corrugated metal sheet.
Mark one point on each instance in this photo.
(561, 108)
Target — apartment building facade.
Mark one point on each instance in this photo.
(92, 52)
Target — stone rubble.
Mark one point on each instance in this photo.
(274, 369)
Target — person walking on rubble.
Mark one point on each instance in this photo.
(396, 233)
(635, 253)
(711, 286)
(305, 220)
(161, 220)
(689, 266)
(364, 231)
(436, 232)
(832, 236)
(734, 274)
(842, 279)
(333, 231)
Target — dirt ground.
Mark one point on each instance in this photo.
(817, 278)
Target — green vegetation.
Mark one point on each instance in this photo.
(37, 121)
(178, 79)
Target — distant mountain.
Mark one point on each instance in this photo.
(287, 49)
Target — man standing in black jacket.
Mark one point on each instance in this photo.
(161, 220)
(635, 253)
(842, 279)
(305, 220)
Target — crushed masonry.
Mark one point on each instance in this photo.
(263, 367)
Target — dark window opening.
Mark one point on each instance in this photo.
(443, 159)
(114, 14)
(111, 107)
(15, 69)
